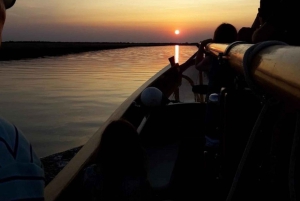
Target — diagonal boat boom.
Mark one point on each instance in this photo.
(275, 68)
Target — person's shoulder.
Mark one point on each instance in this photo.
(21, 171)
(6, 128)
(9, 132)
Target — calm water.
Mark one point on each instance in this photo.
(60, 102)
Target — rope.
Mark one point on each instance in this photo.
(222, 57)
(230, 46)
(247, 61)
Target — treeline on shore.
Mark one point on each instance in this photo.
(34, 49)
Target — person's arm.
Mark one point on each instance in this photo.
(199, 57)
(204, 65)
(278, 23)
(201, 51)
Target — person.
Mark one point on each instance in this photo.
(224, 33)
(245, 33)
(21, 171)
(120, 171)
(273, 21)
(218, 76)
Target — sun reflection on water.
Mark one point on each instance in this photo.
(176, 53)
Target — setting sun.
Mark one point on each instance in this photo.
(177, 32)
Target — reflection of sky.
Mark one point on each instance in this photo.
(125, 21)
(59, 102)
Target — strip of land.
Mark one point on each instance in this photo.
(27, 50)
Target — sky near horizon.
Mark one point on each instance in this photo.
(124, 21)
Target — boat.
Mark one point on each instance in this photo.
(257, 122)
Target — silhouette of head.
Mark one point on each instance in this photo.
(120, 149)
(225, 33)
(4, 4)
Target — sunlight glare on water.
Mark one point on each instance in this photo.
(176, 53)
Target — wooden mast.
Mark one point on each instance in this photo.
(276, 68)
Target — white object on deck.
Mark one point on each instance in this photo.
(152, 97)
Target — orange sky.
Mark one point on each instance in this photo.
(124, 21)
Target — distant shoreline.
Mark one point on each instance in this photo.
(30, 50)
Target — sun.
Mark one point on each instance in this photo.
(177, 31)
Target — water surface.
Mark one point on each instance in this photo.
(60, 102)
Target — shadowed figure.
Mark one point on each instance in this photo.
(275, 20)
(120, 171)
(218, 76)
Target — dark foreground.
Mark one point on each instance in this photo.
(25, 50)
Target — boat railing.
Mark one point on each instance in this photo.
(272, 66)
